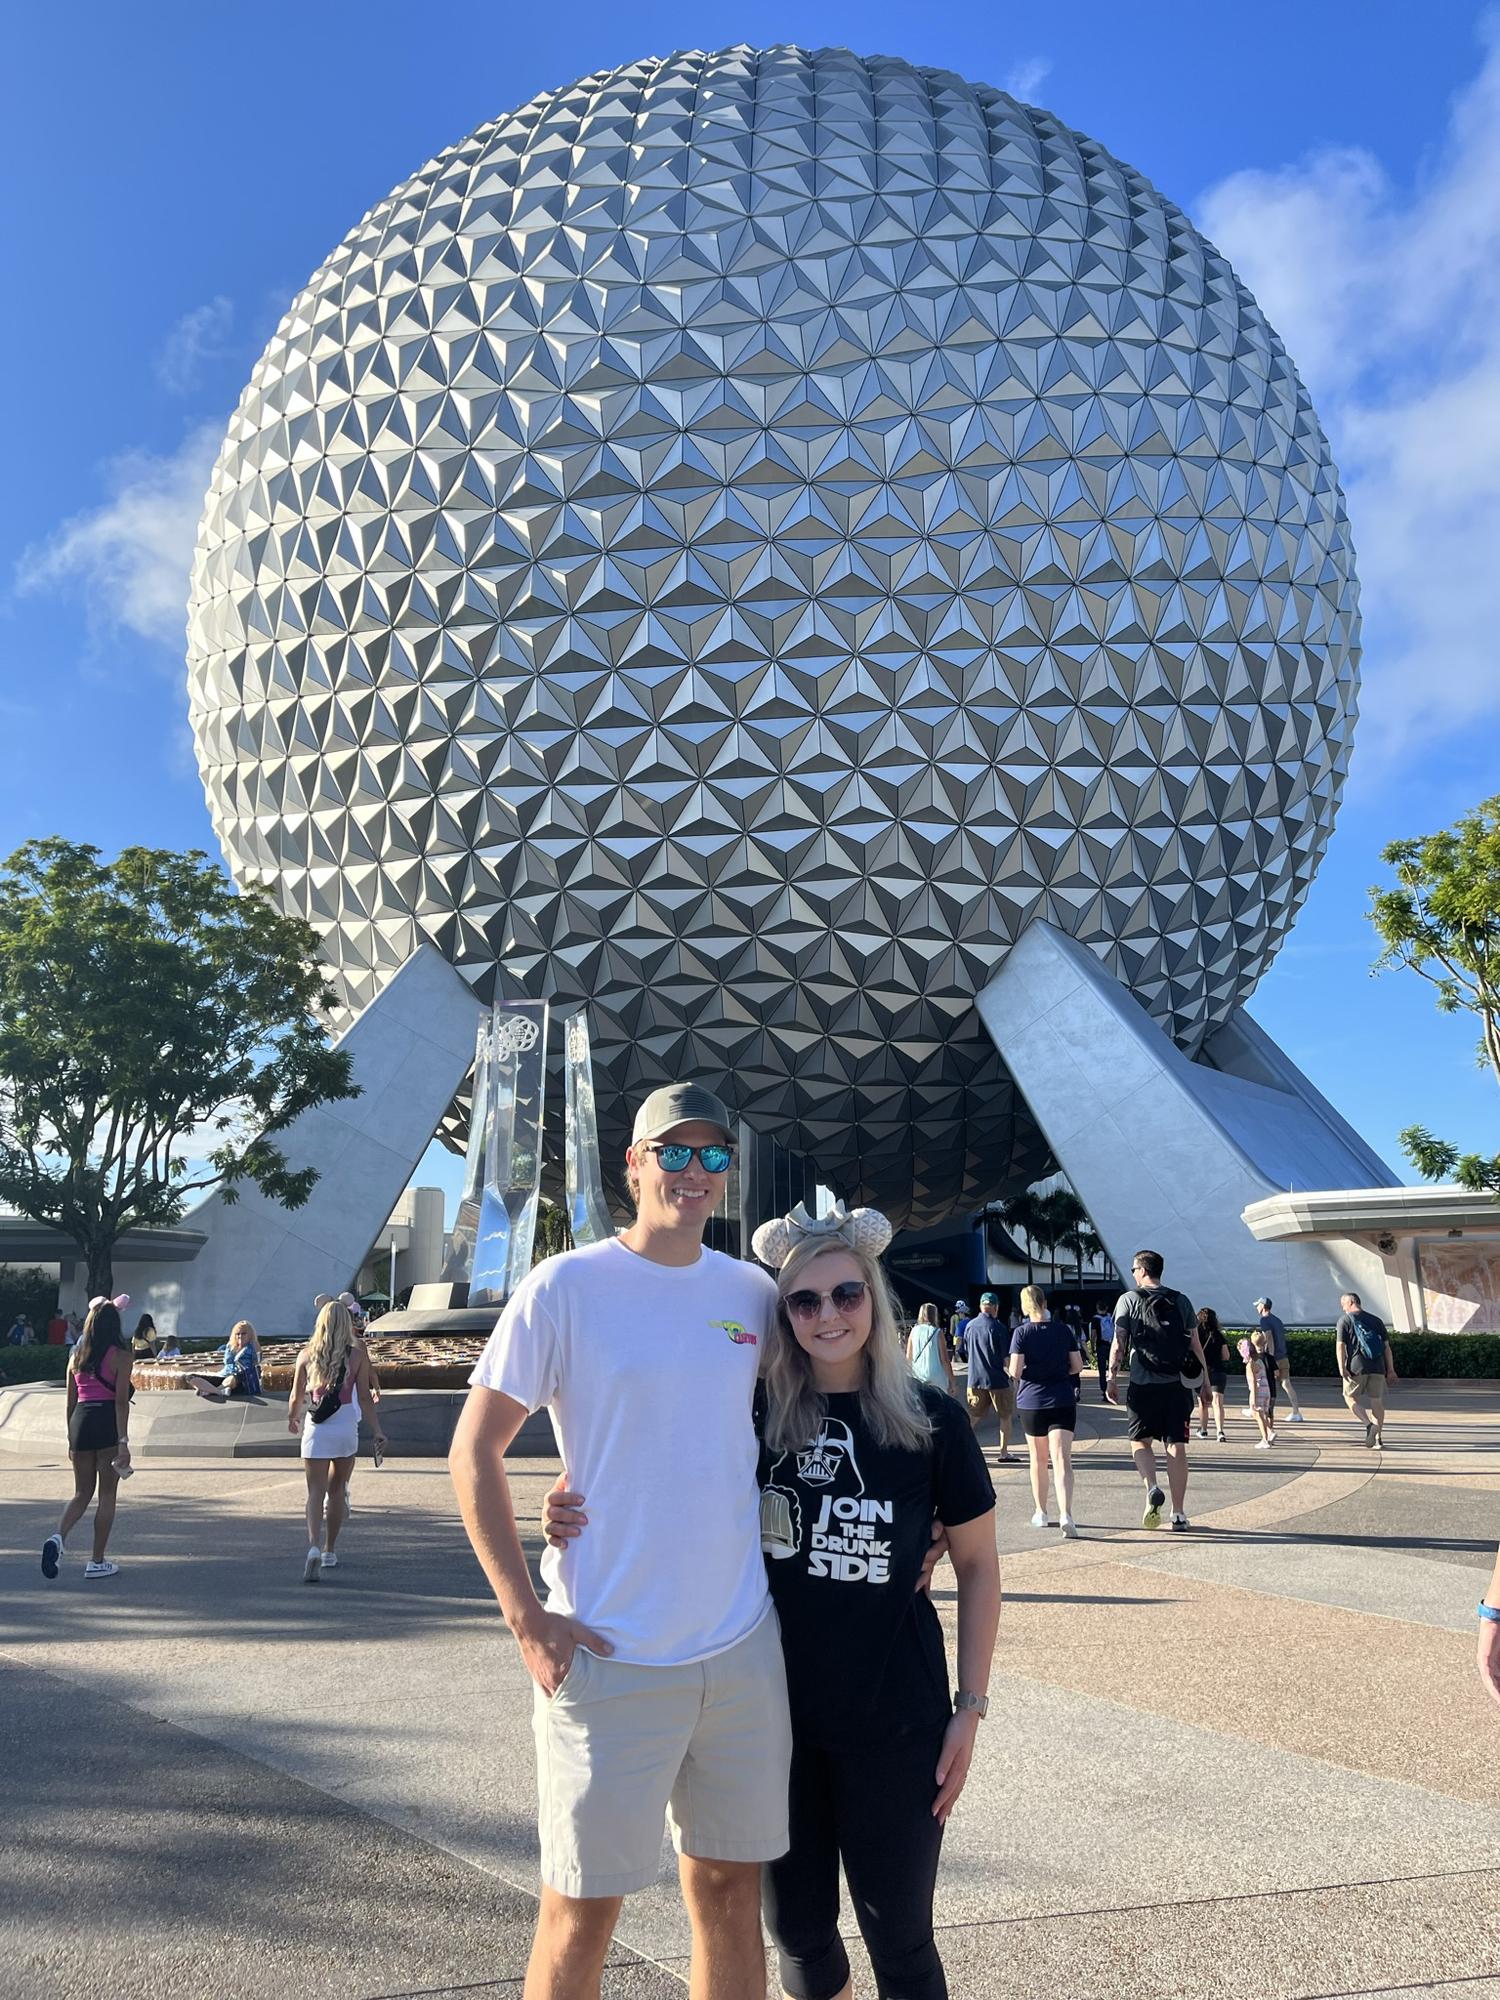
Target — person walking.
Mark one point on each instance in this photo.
(1489, 1635)
(956, 1325)
(1215, 1344)
(332, 1370)
(143, 1340)
(1046, 1361)
(20, 1334)
(987, 1338)
(98, 1385)
(660, 1690)
(1258, 1390)
(1281, 1373)
(855, 1460)
(1101, 1355)
(927, 1352)
(1366, 1366)
(1157, 1336)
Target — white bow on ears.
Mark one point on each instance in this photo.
(860, 1229)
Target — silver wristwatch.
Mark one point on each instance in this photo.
(979, 1702)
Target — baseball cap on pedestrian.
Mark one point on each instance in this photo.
(680, 1104)
(989, 1298)
(1262, 1302)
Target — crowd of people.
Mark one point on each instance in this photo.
(762, 1469)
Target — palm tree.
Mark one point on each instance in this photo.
(1085, 1246)
(1061, 1214)
(1024, 1213)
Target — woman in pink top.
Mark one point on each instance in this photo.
(98, 1420)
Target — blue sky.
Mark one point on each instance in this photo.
(183, 169)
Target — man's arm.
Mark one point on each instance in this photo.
(476, 1463)
(1390, 1361)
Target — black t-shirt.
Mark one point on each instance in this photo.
(846, 1523)
(1215, 1350)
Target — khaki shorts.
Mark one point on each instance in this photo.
(1369, 1388)
(1001, 1399)
(619, 1748)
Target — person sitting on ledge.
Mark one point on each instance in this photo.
(240, 1375)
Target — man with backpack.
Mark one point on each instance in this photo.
(1155, 1331)
(1365, 1366)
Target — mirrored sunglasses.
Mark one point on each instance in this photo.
(675, 1159)
(843, 1298)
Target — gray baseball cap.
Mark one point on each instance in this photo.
(680, 1104)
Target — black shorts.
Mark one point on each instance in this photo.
(1037, 1423)
(1158, 1410)
(93, 1427)
(1217, 1379)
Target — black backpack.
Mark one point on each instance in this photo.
(1158, 1334)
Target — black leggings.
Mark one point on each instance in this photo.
(872, 1807)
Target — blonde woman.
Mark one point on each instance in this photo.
(856, 1459)
(1045, 1364)
(927, 1352)
(332, 1370)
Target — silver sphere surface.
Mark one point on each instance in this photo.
(737, 538)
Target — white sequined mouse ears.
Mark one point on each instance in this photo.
(861, 1229)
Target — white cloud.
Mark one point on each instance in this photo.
(130, 558)
(1388, 300)
(199, 336)
(1024, 79)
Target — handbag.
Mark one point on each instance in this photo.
(328, 1403)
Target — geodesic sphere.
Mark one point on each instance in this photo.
(736, 539)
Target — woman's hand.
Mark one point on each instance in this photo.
(563, 1518)
(953, 1764)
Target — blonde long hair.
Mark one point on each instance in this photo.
(331, 1347)
(889, 1399)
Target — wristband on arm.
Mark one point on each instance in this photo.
(1489, 1612)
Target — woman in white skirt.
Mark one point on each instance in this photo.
(332, 1370)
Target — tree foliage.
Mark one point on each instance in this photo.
(144, 1007)
(1441, 920)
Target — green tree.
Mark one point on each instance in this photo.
(144, 1005)
(1022, 1213)
(1441, 920)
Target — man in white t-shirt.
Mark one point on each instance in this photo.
(660, 1687)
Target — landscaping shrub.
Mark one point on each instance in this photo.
(1455, 1356)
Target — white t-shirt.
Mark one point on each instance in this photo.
(649, 1372)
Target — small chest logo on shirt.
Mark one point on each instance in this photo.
(740, 1335)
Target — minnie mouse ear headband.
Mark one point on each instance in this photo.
(119, 1302)
(864, 1229)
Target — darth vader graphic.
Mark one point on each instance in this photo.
(827, 1465)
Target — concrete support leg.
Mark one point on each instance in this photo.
(1164, 1152)
(412, 1047)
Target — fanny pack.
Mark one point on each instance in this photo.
(328, 1403)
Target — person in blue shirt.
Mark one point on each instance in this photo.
(239, 1367)
(1046, 1360)
(987, 1338)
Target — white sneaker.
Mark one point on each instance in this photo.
(52, 1550)
(313, 1565)
(1069, 1527)
(1039, 1520)
(1203, 1430)
(1297, 1417)
(1180, 1523)
(330, 1560)
(1264, 1445)
(96, 1570)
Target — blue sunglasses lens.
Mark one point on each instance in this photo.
(715, 1159)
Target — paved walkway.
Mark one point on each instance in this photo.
(1253, 1761)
